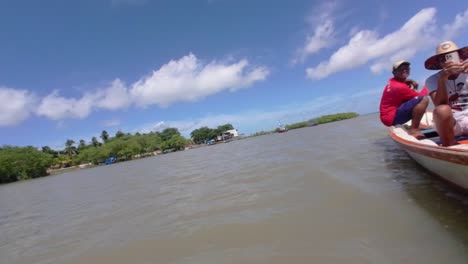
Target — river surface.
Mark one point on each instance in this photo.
(335, 193)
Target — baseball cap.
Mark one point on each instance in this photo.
(399, 63)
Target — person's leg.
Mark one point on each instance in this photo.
(416, 116)
(444, 124)
(461, 128)
(407, 112)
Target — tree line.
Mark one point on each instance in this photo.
(323, 119)
(123, 146)
(19, 163)
(202, 134)
(311, 122)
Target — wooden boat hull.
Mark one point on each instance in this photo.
(449, 163)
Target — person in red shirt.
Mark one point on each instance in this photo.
(400, 102)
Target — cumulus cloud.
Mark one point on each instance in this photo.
(113, 97)
(323, 33)
(187, 79)
(366, 45)
(459, 24)
(57, 107)
(15, 106)
(419, 33)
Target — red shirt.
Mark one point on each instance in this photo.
(394, 94)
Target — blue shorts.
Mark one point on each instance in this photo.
(405, 111)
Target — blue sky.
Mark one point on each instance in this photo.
(70, 69)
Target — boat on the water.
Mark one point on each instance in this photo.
(110, 160)
(449, 163)
(282, 129)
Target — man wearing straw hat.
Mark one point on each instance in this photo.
(400, 102)
(451, 112)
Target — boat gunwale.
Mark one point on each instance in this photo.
(453, 155)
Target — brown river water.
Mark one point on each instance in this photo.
(335, 193)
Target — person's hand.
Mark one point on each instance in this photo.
(413, 84)
(465, 66)
(450, 68)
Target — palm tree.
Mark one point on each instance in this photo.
(104, 136)
(94, 142)
(82, 144)
(119, 134)
(69, 148)
(46, 149)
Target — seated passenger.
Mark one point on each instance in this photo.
(401, 102)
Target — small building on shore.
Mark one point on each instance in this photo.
(232, 133)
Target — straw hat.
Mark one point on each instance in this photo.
(445, 47)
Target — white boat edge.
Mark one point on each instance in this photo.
(449, 163)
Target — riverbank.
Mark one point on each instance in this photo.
(68, 169)
(139, 156)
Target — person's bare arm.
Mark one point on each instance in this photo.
(433, 97)
(440, 96)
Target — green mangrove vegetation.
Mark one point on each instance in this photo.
(311, 122)
(335, 117)
(323, 119)
(201, 135)
(21, 163)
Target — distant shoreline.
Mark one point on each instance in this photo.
(33, 163)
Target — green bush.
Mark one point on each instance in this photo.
(334, 117)
(20, 163)
(297, 125)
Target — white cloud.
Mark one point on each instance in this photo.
(417, 33)
(56, 107)
(187, 79)
(113, 97)
(455, 29)
(15, 106)
(323, 33)
(384, 63)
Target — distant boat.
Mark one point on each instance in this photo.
(281, 129)
(110, 160)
